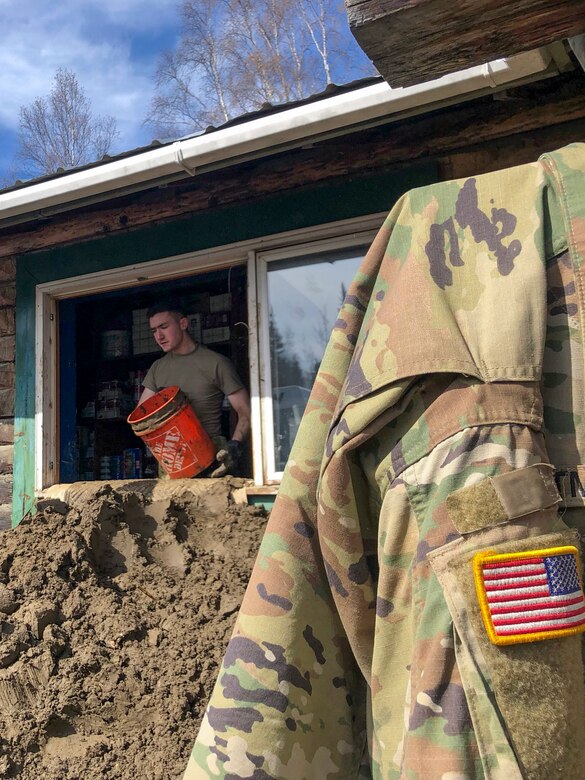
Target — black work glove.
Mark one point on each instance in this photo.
(234, 448)
(228, 458)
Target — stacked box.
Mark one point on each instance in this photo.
(216, 320)
(215, 335)
(216, 327)
(142, 338)
(115, 344)
(220, 302)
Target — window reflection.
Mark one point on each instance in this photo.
(304, 297)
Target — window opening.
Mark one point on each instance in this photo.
(106, 348)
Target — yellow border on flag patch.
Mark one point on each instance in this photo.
(489, 556)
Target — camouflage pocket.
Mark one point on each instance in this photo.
(513, 586)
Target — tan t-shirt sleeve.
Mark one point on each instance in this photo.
(149, 380)
(227, 378)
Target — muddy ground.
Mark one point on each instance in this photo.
(115, 609)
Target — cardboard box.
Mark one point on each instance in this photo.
(220, 302)
(215, 335)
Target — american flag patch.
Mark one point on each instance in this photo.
(532, 595)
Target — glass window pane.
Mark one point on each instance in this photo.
(304, 298)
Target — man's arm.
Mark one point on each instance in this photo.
(146, 393)
(240, 403)
(228, 458)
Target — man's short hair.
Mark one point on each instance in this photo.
(172, 305)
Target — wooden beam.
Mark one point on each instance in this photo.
(418, 40)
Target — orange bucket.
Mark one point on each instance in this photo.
(169, 427)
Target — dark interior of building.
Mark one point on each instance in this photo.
(106, 348)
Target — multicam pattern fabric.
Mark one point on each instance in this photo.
(359, 651)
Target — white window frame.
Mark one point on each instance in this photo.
(255, 253)
(264, 259)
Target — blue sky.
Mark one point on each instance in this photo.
(111, 45)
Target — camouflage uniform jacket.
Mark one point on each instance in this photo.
(452, 380)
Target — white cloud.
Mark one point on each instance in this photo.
(111, 45)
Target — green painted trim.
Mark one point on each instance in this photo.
(24, 411)
(347, 197)
(267, 502)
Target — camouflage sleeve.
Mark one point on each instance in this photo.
(454, 478)
(290, 698)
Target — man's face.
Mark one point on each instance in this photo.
(168, 330)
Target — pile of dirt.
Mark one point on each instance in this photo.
(114, 617)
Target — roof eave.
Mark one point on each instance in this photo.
(258, 137)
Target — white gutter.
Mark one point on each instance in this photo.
(285, 129)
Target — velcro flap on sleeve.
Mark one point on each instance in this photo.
(502, 498)
(537, 686)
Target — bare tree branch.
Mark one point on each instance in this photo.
(314, 15)
(60, 131)
(235, 55)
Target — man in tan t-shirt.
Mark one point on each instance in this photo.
(205, 377)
